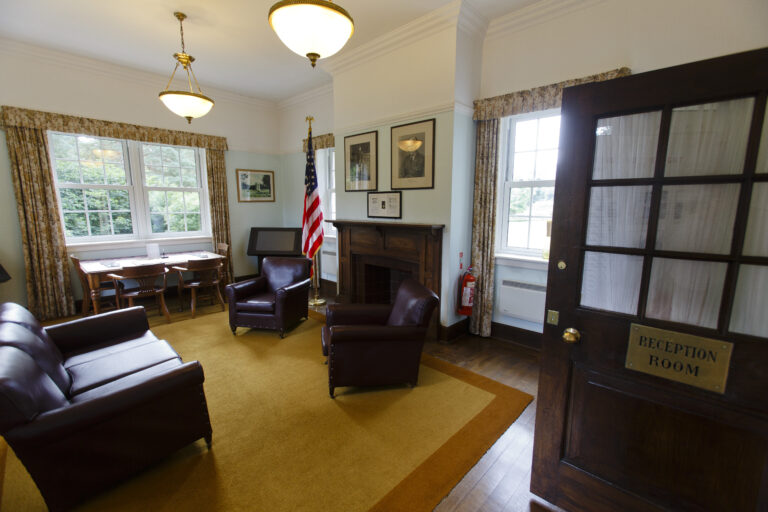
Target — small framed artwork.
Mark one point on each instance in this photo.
(255, 186)
(387, 205)
(413, 155)
(361, 159)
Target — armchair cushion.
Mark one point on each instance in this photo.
(260, 302)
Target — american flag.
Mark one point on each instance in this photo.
(312, 221)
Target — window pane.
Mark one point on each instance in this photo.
(611, 282)
(170, 156)
(192, 202)
(543, 200)
(64, 146)
(709, 139)
(93, 173)
(89, 148)
(519, 201)
(697, 218)
(152, 155)
(193, 222)
(188, 177)
(122, 223)
(549, 132)
(119, 200)
(75, 224)
(538, 236)
(187, 157)
(176, 222)
(756, 242)
(625, 146)
(517, 234)
(618, 216)
(172, 177)
(546, 164)
(115, 174)
(96, 199)
(175, 201)
(100, 223)
(154, 176)
(686, 291)
(67, 172)
(526, 134)
(156, 201)
(111, 151)
(158, 223)
(751, 302)
(72, 199)
(524, 166)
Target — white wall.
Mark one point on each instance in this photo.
(646, 35)
(317, 103)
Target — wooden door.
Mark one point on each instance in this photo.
(660, 221)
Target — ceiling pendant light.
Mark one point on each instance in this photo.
(410, 145)
(313, 28)
(188, 104)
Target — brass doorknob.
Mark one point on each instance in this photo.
(571, 335)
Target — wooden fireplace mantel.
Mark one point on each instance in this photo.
(413, 248)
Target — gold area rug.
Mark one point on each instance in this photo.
(281, 444)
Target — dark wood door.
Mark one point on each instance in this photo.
(660, 221)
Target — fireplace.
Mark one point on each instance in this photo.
(375, 257)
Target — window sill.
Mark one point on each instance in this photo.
(515, 260)
(131, 244)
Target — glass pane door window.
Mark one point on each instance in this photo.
(680, 239)
(527, 170)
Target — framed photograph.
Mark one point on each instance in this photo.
(360, 159)
(386, 205)
(413, 155)
(255, 186)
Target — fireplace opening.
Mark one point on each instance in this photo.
(381, 283)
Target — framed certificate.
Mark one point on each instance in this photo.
(387, 205)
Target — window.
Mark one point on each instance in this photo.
(326, 177)
(527, 166)
(112, 189)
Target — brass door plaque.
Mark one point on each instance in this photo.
(693, 360)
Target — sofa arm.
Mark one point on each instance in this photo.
(98, 329)
(59, 423)
(237, 291)
(357, 314)
(366, 333)
(281, 294)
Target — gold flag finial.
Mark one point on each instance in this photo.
(309, 119)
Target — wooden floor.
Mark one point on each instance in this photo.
(501, 479)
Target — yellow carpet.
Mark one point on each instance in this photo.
(281, 444)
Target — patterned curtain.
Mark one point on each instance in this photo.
(217, 192)
(49, 291)
(326, 140)
(484, 225)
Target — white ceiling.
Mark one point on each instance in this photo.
(234, 47)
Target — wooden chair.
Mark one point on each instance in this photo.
(146, 278)
(106, 290)
(207, 274)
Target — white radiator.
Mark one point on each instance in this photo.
(522, 300)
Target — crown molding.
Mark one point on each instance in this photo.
(463, 108)
(471, 20)
(535, 14)
(342, 131)
(431, 23)
(306, 97)
(93, 66)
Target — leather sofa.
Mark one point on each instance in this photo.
(378, 344)
(277, 299)
(87, 403)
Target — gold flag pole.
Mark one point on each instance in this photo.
(317, 300)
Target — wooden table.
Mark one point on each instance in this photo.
(96, 270)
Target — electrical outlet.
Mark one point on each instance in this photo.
(553, 317)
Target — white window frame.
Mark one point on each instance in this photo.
(326, 169)
(505, 184)
(138, 192)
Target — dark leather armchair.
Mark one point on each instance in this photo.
(277, 299)
(378, 344)
(88, 403)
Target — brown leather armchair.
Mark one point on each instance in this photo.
(378, 344)
(87, 403)
(277, 299)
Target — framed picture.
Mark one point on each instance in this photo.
(255, 186)
(413, 155)
(386, 205)
(360, 159)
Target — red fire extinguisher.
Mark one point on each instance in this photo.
(466, 292)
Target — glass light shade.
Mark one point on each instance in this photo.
(311, 27)
(410, 145)
(186, 104)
